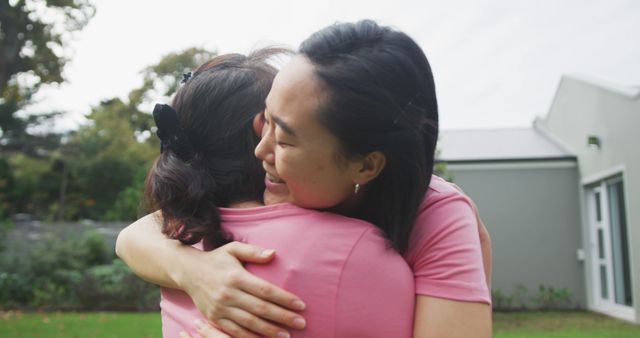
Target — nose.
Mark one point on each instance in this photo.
(264, 149)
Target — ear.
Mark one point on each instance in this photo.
(369, 167)
(258, 124)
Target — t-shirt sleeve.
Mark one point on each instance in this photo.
(375, 295)
(444, 251)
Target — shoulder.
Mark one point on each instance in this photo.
(444, 249)
(442, 192)
(446, 215)
(442, 204)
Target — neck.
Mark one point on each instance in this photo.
(245, 204)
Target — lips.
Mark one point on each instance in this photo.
(275, 185)
(274, 179)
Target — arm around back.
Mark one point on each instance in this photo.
(150, 254)
(223, 291)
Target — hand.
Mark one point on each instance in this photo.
(233, 299)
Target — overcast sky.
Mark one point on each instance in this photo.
(497, 63)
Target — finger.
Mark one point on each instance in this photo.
(184, 335)
(256, 324)
(234, 329)
(249, 253)
(269, 293)
(260, 310)
(207, 330)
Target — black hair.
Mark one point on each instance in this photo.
(380, 97)
(215, 109)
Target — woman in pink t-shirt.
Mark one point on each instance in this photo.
(351, 128)
(208, 185)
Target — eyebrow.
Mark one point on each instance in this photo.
(287, 129)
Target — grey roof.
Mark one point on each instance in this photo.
(498, 145)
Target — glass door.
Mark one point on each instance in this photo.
(610, 247)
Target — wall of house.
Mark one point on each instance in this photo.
(581, 109)
(532, 213)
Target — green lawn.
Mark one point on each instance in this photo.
(140, 325)
(561, 325)
(80, 325)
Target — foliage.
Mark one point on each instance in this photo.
(160, 81)
(501, 300)
(105, 159)
(547, 298)
(31, 184)
(98, 171)
(440, 167)
(129, 203)
(78, 273)
(114, 287)
(33, 36)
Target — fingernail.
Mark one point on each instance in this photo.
(183, 334)
(283, 334)
(298, 305)
(199, 324)
(299, 323)
(267, 253)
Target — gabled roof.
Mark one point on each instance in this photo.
(483, 145)
(632, 92)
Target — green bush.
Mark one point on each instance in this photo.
(115, 287)
(547, 298)
(79, 273)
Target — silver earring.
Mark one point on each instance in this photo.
(357, 188)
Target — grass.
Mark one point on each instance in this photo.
(141, 325)
(80, 325)
(561, 325)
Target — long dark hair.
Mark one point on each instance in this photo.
(381, 97)
(215, 109)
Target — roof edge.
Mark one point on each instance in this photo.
(510, 160)
(628, 91)
(540, 127)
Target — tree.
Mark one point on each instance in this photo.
(162, 80)
(33, 36)
(108, 159)
(98, 172)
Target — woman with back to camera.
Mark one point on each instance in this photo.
(370, 89)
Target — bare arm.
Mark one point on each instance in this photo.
(443, 318)
(224, 292)
(137, 243)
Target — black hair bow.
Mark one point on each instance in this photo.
(170, 134)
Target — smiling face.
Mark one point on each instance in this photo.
(302, 158)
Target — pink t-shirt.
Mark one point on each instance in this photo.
(444, 250)
(353, 283)
(370, 299)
